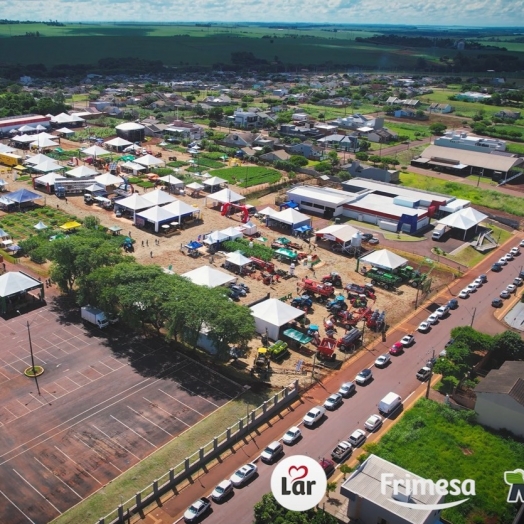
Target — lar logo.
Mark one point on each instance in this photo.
(298, 483)
(515, 481)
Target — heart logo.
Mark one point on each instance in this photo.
(299, 473)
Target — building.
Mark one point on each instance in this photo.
(324, 201)
(357, 121)
(276, 156)
(500, 398)
(245, 119)
(131, 131)
(358, 170)
(508, 115)
(307, 149)
(372, 496)
(472, 96)
(470, 143)
(14, 122)
(184, 129)
(440, 108)
(497, 165)
(340, 142)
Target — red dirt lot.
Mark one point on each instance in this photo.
(107, 400)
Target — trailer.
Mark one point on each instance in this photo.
(263, 265)
(321, 291)
(72, 187)
(326, 349)
(9, 159)
(350, 340)
(367, 290)
(383, 278)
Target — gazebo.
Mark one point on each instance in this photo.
(157, 216)
(209, 276)
(464, 219)
(181, 210)
(95, 151)
(47, 166)
(118, 143)
(215, 238)
(158, 197)
(38, 159)
(14, 290)
(82, 172)
(272, 315)
(107, 179)
(383, 259)
(214, 183)
(133, 203)
(149, 161)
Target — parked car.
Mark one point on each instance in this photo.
(382, 361)
(328, 466)
(314, 415)
(442, 311)
(508, 257)
(505, 294)
(396, 349)
(518, 281)
(373, 423)
(453, 303)
(407, 340)
(373, 241)
(521, 243)
(347, 389)
(272, 452)
(464, 293)
(496, 267)
(424, 327)
(243, 475)
(483, 278)
(333, 401)
(511, 288)
(364, 377)
(472, 288)
(502, 261)
(424, 373)
(366, 237)
(291, 436)
(515, 251)
(222, 491)
(433, 318)
(357, 438)
(497, 302)
(197, 509)
(478, 282)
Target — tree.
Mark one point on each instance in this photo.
(361, 155)
(345, 469)
(298, 160)
(333, 158)
(213, 124)
(508, 346)
(437, 128)
(216, 113)
(375, 159)
(472, 338)
(91, 222)
(331, 487)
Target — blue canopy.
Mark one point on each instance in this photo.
(23, 195)
(303, 229)
(290, 203)
(193, 244)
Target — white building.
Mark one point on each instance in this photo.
(471, 143)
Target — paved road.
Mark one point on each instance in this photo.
(398, 377)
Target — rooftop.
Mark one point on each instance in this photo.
(507, 380)
(328, 195)
(384, 205)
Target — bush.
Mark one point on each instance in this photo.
(263, 252)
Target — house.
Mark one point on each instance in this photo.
(404, 113)
(263, 141)
(185, 129)
(300, 117)
(326, 129)
(461, 140)
(394, 101)
(357, 120)
(307, 149)
(376, 486)
(245, 119)
(472, 96)
(238, 140)
(217, 101)
(500, 398)
(509, 115)
(356, 169)
(276, 156)
(341, 142)
(280, 92)
(440, 108)
(382, 136)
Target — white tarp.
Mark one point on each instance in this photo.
(159, 197)
(65, 131)
(38, 159)
(269, 211)
(181, 209)
(133, 166)
(232, 233)
(135, 202)
(214, 181)
(108, 179)
(384, 259)
(81, 172)
(47, 165)
(195, 186)
(215, 237)
(23, 138)
(208, 276)
(341, 232)
(49, 178)
(95, 151)
(44, 142)
(272, 314)
(172, 181)
(118, 142)
(238, 259)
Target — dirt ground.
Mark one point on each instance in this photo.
(151, 248)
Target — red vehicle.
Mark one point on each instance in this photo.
(361, 290)
(396, 349)
(313, 287)
(326, 349)
(263, 265)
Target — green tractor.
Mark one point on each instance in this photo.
(383, 278)
(412, 276)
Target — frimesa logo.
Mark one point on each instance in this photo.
(406, 487)
(298, 483)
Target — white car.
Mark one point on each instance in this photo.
(511, 288)
(333, 401)
(505, 294)
(508, 257)
(464, 293)
(382, 361)
(197, 509)
(433, 318)
(222, 490)
(521, 243)
(291, 436)
(517, 281)
(407, 340)
(472, 288)
(242, 475)
(442, 311)
(424, 327)
(373, 423)
(314, 415)
(357, 438)
(364, 377)
(347, 389)
(515, 251)
(478, 282)
(502, 261)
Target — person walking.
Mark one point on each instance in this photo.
(151, 254)
(292, 269)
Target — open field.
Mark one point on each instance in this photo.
(490, 199)
(436, 442)
(412, 131)
(248, 176)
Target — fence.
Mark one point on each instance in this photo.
(193, 463)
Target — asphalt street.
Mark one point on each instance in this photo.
(398, 377)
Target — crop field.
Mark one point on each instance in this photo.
(248, 176)
(413, 131)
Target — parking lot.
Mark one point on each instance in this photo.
(106, 401)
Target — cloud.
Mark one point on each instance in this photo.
(419, 12)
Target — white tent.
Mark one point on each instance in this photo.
(292, 217)
(12, 283)
(232, 233)
(149, 161)
(238, 259)
(95, 188)
(226, 196)
(49, 179)
(40, 226)
(269, 211)
(464, 219)
(208, 276)
(65, 131)
(47, 165)
(384, 259)
(134, 203)
(172, 181)
(214, 181)
(107, 179)
(132, 166)
(131, 148)
(181, 209)
(339, 232)
(26, 129)
(249, 228)
(81, 172)
(43, 134)
(157, 215)
(215, 237)
(95, 151)
(6, 149)
(195, 186)
(64, 118)
(38, 159)
(271, 315)
(118, 142)
(158, 197)
(40, 127)
(43, 143)
(23, 138)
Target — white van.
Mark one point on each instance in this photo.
(272, 452)
(439, 231)
(389, 403)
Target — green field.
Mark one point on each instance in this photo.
(248, 176)
(409, 130)
(436, 442)
(482, 197)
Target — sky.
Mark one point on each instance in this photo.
(419, 12)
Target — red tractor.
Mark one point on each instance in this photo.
(333, 278)
(263, 265)
(321, 291)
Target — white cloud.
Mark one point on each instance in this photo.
(420, 12)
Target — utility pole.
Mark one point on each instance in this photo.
(473, 316)
(430, 374)
(32, 358)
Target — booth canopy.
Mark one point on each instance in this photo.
(208, 276)
(43, 142)
(40, 226)
(232, 232)
(23, 195)
(180, 209)
(133, 166)
(6, 149)
(158, 197)
(157, 215)
(464, 219)
(81, 172)
(214, 181)
(226, 196)
(118, 142)
(68, 226)
(49, 178)
(340, 232)
(38, 159)
(12, 283)
(269, 211)
(272, 314)
(65, 131)
(95, 151)
(384, 259)
(195, 186)
(47, 166)
(172, 181)
(134, 202)
(107, 179)
(149, 161)
(238, 259)
(291, 216)
(23, 138)
(215, 237)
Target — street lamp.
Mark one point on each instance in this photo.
(32, 356)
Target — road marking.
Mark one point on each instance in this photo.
(55, 475)
(203, 398)
(30, 520)
(180, 402)
(33, 488)
(37, 399)
(108, 367)
(132, 430)
(77, 464)
(48, 393)
(96, 452)
(117, 443)
(161, 409)
(150, 421)
(209, 385)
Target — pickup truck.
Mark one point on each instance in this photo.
(424, 373)
(197, 509)
(342, 451)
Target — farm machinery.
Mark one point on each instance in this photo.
(350, 339)
(333, 278)
(326, 349)
(304, 302)
(377, 321)
(317, 289)
(263, 265)
(349, 319)
(412, 276)
(382, 278)
(356, 290)
(275, 352)
(285, 243)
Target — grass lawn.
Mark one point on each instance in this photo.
(248, 176)
(467, 257)
(153, 467)
(437, 442)
(482, 197)
(515, 148)
(209, 162)
(483, 179)
(409, 130)
(177, 164)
